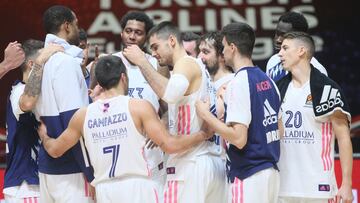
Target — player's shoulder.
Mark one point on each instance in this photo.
(273, 61)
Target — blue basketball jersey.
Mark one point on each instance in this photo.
(22, 144)
(252, 99)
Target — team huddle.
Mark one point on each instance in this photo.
(174, 118)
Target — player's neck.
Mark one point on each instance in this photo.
(221, 72)
(242, 62)
(301, 74)
(113, 92)
(179, 52)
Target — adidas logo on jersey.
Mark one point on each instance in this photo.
(269, 114)
(329, 98)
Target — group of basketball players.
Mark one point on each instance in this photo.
(170, 127)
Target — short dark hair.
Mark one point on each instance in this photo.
(304, 37)
(189, 36)
(241, 35)
(55, 16)
(108, 71)
(297, 20)
(215, 39)
(31, 48)
(164, 30)
(138, 16)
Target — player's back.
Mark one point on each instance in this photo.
(114, 144)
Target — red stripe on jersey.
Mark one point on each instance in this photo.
(179, 120)
(156, 196)
(323, 144)
(188, 119)
(183, 119)
(175, 191)
(86, 189)
(329, 155)
(326, 145)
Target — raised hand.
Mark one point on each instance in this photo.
(14, 55)
(134, 54)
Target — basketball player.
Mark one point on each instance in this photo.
(211, 48)
(252, 121)
(315, 111)
(21, 181)
(114, 129)
(135, 27)
(290, 21)
(63, 91)
(196, 175)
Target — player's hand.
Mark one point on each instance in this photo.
(92, 192)
(150, 144)
(221, 91)
(344, 194)
(135, 55)
(95, 93)
(220, 108)
(202, 108)
(47, 52)
(42, 131)
(14, 55)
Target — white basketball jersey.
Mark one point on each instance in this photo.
(184, 121)
(307, 150)
(138, 86)
(218, 139)
(115, 147)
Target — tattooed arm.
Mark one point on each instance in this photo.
(33, 86)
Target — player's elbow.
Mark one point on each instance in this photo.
(26, 105)
(170, 146)
(167, 148)
(239, 144)
(54, 152)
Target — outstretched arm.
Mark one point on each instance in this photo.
(236, 133)
(341, 129)
(57, 147)
(155, 130)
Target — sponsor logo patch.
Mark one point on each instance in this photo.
(170, 170)
(324, 187)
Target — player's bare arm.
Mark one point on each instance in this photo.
(236, 133)
(342, 133)
(149, 123)
(33, 86)
(57, 147)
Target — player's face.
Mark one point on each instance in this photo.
(281, 29)
(134, 33)
(160, 49)
(73, 36)
(190, 48)
(208, 56)
(289, 54)
(227, 53)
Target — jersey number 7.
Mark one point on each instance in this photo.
(114, 150)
